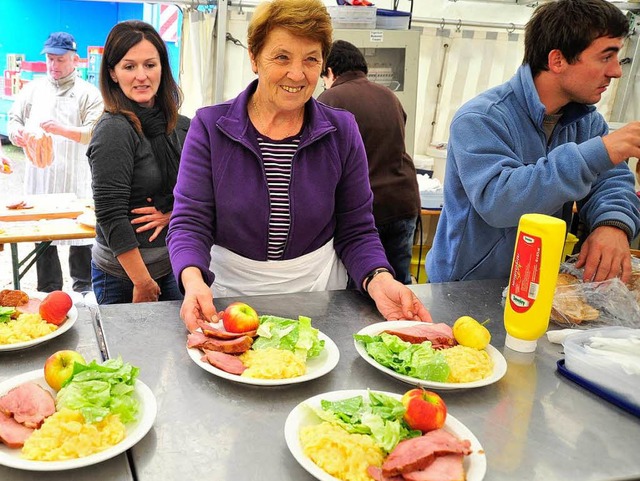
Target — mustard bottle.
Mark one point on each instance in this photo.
(534, 272)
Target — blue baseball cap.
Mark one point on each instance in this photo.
(60, 43)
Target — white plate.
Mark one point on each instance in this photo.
(316, 367)
(134, 431)
(87, 218)
(72, 317)
(475, 465)
(499, 362)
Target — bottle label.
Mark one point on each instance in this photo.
(525, 272)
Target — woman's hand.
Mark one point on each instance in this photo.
(198, 300)
(147, 291)
(396, 301)
(152, 218)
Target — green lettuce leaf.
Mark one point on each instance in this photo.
(380, 417)
(288, 334)
(5, 313)
(100, 389)
(416, 360)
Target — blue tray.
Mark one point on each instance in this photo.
(598, 391)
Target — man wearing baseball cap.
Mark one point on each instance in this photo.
(65, 107)
(60, 43)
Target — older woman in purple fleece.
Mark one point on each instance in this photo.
(273, 191)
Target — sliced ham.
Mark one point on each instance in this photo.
(443, 468)
(12, 433)
(29, 404)
(376, 473)
(31, 307)
(226, 362)
(440, 335)
(219, 332)
(417, 453)
(229, 346)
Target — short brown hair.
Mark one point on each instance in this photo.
(569, 26)
(302, 18)
(122, 37)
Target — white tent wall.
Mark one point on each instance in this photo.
(197, 55)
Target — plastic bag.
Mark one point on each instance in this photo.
(595, 304)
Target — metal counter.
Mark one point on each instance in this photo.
(533, 424)
(82, 338)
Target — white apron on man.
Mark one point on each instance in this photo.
(70, 101)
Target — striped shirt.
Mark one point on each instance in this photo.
(276, 158)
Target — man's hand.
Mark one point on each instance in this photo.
(623, 143)
(53, 127)
(605, 254)
(19, 139)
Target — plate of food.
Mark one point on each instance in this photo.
(24, 327)
(271, 351)
(107, 439)
(445, 366)
(329, 452)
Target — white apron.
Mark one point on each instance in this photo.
(69, 172)
(320, 270)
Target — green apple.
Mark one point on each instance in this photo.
(59, 367)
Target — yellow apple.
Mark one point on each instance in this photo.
(59, 367)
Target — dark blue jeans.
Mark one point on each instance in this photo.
(116, 290)
(397, 240)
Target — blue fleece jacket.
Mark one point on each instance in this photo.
(221, 195)
(500, 166)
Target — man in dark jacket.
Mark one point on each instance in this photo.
(381, 121)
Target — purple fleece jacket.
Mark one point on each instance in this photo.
(221, 195)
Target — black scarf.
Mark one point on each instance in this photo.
(154, 127)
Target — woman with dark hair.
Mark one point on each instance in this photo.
(134, 155)
(273, 193)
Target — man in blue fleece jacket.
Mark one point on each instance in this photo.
(537, 144)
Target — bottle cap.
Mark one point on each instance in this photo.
(520, 345)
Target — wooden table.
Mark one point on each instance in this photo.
(52, 217)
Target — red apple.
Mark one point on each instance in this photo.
(425, 410)
(240, 317)
(55, 306)
(59, 367)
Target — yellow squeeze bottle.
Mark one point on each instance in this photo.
(534, 273)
